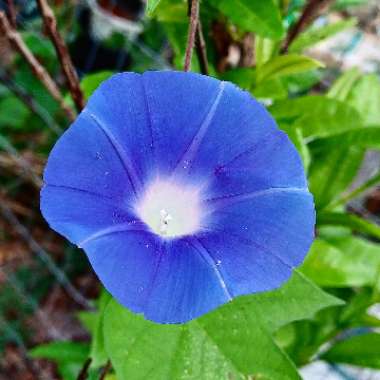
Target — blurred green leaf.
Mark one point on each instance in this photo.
(366, 138)
(216, 346)
(342, 87)
(265, 49)
(317, 115)
(285, 65)
(70, 356)
(340, 262)
(257, 16)
(92, 81)
(151, 5)
(361, 350)
(365, 97)
(314, 35)
(354, 222)
(332, 170)
(97, 352)
(14, 113)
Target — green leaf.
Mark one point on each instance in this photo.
(97, 352)
(92, 81)
(265, 49)
(257, 16)
(14, 113)
(61, 351)
(342, 87)
(343, 262)
(233, 341)
(151, 5)
(365, 98)
(332, 170)
(360, 350)
(286, 65)
(354, 222)
(314, 35)
(317, 115)
(366, 138)
(69, 356)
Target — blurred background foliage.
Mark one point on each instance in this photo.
(315, 64)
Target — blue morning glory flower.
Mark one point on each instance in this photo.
(182, 191)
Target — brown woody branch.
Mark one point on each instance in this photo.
(193, 26)
(38, 70)
(68, 69)
(309, 14)
(12, 13)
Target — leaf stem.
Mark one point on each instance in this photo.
(193, 26)
(83, 374)
(63, 55)
(309, 13)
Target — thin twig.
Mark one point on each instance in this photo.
(105, 370)
(83, 374)
(39, 71)
(201, 49)
(28, 100)
(12, 13)
(309, 13)
(193, 25)
(68, 69)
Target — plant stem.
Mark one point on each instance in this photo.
(309, 13)
(83, 374)
(193, 26)
(105, 370)
(201, 49)
(38, 70)
(12, 13)
(63, 55)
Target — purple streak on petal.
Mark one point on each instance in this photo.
(185, 285)
(119, 149)
(281, 222)
(217, 203)
(83, 158)
(178, 104)
(246, 267)
(185, 162)
(119, 104)
(207, 256)
(79, 214)
(271, 163)
(134, 226)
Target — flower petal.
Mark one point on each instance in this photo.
(84, 158)
(79, 214)
(169, 282)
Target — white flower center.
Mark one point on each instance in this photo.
(169, 209)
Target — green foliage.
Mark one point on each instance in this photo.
(216, 346)
(261, 17)
(285, 65)
(69, 357)
(361, 350)
(343, 262)
(151, 5)
(266, 335)
(314, 35)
